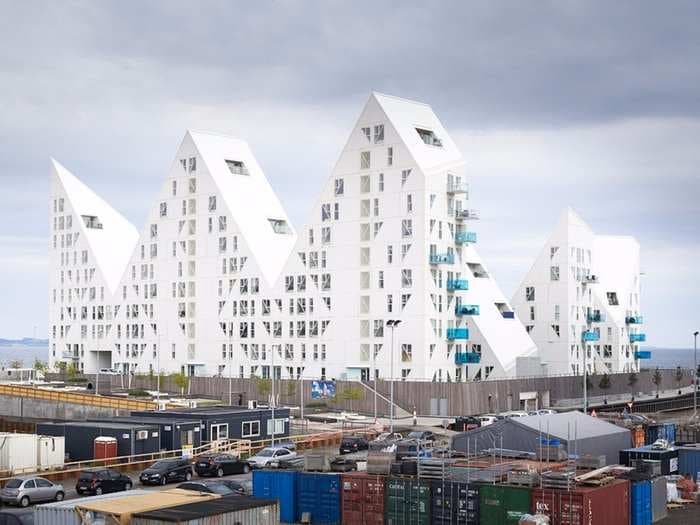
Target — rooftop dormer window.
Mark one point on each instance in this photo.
(92, 222)
(429, 137)
(237, 167)
(280, 226)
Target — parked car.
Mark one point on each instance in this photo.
(388, 436)
(101, 481)
(351, 444)
(488, 419)
(23, 517)
(223, 487)
(465, 423)
(270, 457)
(26, 490)
(216, 464)
(166, 471)
(546, 411)
(341, 464)
(109, 371)
(422, 435)
(515, 413)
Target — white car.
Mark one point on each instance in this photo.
(487, 420)
(109, 371)
(515, 413)
(270, 456)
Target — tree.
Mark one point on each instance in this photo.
(182, 381)
(72, 370)
(604, 384)
(16, 364)
(679, 378)
(264, 386)
(657, 378)
(352, 394)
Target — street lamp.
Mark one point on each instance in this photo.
(230, 365)
(392, 323)
(695, 374)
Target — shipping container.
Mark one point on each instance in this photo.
(278, 485)
(638, 436)
(230, 510)
(658, 499)
(454, 503)
(668, 458)
(362, 499)
(63, 512)
(18, 451)
(602, 505)
(689, 461)
(640, 503)
(665, 431)
(318, 498)
(51, 451)
(503, 504)
(104, 447)
(406, 501)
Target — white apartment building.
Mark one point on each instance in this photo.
(219, 282)
(580, 301)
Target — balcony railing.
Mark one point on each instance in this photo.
(457, 284)
(467, 215)
(465, 358)
(596, 317)
(508, 315)
(638, 338)
(642, 354)
(467, 309)
(589, 279)
(457, 333)
(634, 319)
(589, 336)
(457, 187)
(442, 258)
(463, 237)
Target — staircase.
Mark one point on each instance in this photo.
(399, 413)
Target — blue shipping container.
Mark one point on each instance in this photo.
(281, 486)
(689, 461)
(319, 496)
(665, 431)
(640, 503)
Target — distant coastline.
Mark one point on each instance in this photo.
(25, 341)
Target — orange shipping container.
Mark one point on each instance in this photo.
(362, 499)
(638, 436)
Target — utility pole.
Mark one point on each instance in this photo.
(230, 364)
(695, 374)
(272, 404)
(392, 323)
(374, 371)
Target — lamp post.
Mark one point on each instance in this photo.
(695, 374)
(230, 365)
(392, 323)
(374, 371)
(272, 405)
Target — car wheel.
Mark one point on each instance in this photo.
(246, 469)
(127, 485)
(163, 481)
(59, 496)
(220, 472)
(98, 491)
(188, 475)
(24, 502)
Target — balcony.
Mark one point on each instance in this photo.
(508, 315)
(70, 355)
(466, 358)
(638, 338)
(634, 319)
(596, 317)
(589, 336)
(442, 258)
(457, 333)
(467, 309)
(467, 215)
(457, 284)
(589, 279)
(642, 354)
(457, 187)
(464, 237)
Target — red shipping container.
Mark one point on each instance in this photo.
(105, 447)
(362, 499)
(605, 505)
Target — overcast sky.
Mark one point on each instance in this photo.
(590, 104)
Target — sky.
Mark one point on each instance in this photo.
(593, 105)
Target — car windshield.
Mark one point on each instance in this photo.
(13, 484)
(163, 464)
(415, 434)
(220, 488)
(265, 453)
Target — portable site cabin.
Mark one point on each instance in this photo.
(175, 433)
(578, 433)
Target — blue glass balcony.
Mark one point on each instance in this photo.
(442, 258)
(590, 336)
(463, 237)
(596, 317)
(634, 319)
(638, 338)
(508, 315)
(467, 309)
(642, 354)
(466, 358)
(457, 284)
(457, 333)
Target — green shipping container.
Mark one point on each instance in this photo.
(502, 504)
(406, 502)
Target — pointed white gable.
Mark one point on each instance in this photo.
(113, 242)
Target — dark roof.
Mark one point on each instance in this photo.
(202, 509)
(208, 411)
(103, 424)
(569, 425)
(145, 419)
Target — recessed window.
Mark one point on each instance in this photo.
(379, 133)
(280, 226)
(92, 222)
(364, 160)
(339, 186)
(429, 137)
(237, 167)
(530, 293)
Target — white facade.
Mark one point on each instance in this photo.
(582, 293)
(218, 282)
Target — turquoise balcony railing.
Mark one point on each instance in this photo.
(467, 309)
(457, 333)
(638, 338)
(457, 284)
(596, 317)
(442, 258)
(642, 354)
(462, 237)
(466, 358)
(634, 319)
(590, 336)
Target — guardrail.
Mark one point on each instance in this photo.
(76, 398)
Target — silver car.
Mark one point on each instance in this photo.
(24, 491)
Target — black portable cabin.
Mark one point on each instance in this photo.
(174, 433)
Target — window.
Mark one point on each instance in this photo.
(174, 188)
(311, 237)
(193, 185)
(364, 256)
(154, 231)
(390, 156)
(406, 278)
(379, 328)
(326, 281)
(193, 164)
(339, 187)
(212, 203)
(612, 298)
(409, 203)
(381, 182)
(250, 429)
(367, 132)
(222, 244)
(532, 313)
(278, 428)
(364, 232)
(377, 227)
(365, 184)
(222, 223)
(376, 207)
(364, 208)
(389, 254)
(406, 353)
(237, 167)
(380, 279)
(554, 273)
(163, 209)
(429, 137)
(404, 176)
(379, 133)
(325, 212)
(530, 293)
(552, 251)
(389, 303)
(406, 228)
(336, 211)
(364, 160)
(325, 235)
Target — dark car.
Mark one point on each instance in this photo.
(220, 465)
(24, 517)
(341, 464)
(351, 444)
(166, 471)
(101, 481)
(422, 435)
(223, 487)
